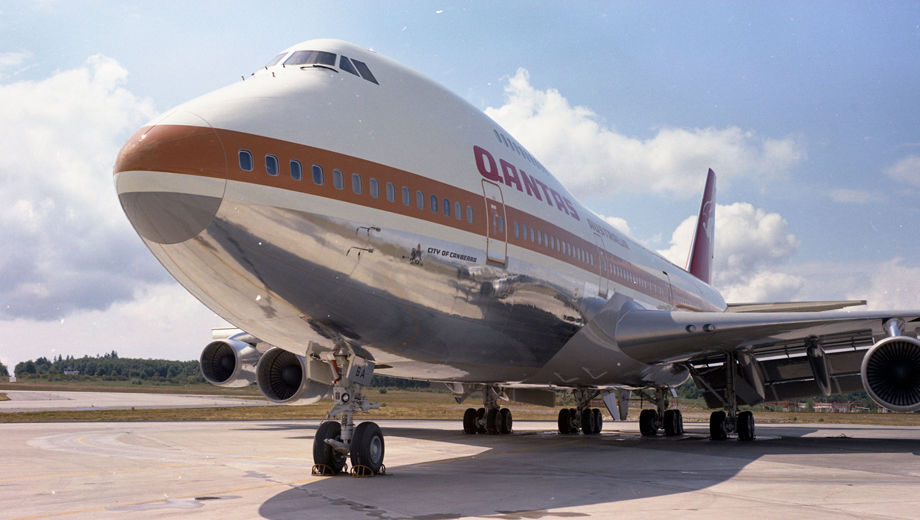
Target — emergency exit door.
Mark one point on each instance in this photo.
(496, 228)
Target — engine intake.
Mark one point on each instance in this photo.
(229, 363)
(285, 377)
(891, 373)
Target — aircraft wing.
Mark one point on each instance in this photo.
(793, 306)
(772, 348)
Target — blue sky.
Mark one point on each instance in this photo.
(808, 111)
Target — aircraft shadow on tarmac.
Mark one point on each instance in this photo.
(523, 475)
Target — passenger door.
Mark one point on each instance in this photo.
(496, 225)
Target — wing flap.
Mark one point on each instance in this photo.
(816, 306)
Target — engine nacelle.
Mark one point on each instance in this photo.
(229, 363)
(891, 373)
(285, 377)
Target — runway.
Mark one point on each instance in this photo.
(260, 469)
(41, 400)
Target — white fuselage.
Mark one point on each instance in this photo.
(490, 295)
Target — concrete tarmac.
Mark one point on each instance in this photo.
(40, 400)
(261, 469)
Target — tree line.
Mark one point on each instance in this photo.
(3, 370)
(111, 367)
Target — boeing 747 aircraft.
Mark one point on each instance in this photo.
(354, 217)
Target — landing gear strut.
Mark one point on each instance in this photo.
(661, 418)
(491, 418)
(338, 437)
(589, 420)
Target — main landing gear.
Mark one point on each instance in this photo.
(589, 420)
(723, 423)
(338, 437)
(491, 418)
(661, 418)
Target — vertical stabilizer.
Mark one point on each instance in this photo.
(700, 262)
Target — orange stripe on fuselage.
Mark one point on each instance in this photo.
(178, 148)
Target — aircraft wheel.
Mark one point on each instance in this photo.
(367, 447)
(565, 423)
(492, 424)
(504, 421)
(673, 423)
(648, 422)
(746, 426)
(481, 420)
(469, 421)
(573, 421)
(717, 430)
(587, 422)
(324, 453)
(598, 420)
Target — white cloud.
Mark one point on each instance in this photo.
(618, 223)
(161, 321)
(750, 244)
(892, 285)
(848, 196)
(907, 170)
(74, 249)
(590, 158)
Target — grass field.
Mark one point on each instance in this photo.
(395, 404)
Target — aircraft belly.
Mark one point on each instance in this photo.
(427, 307)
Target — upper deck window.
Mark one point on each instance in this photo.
(276, 59)
(338, 179)
(391, 192)
(310, 58)
(356, 183)
(318, 177)
(405, 195)
(420, 199)
(373, 187)
(434, 203)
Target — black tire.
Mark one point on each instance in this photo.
(505, 421)
(573, 421)
(673, 423)
(564, 423)
(492, 425)
(469, 421)
(481, 420)
(648, 423)
(598, 420)
(587, 422)
(324, 453)
(745, 426)
(717, 430)
(367, 447)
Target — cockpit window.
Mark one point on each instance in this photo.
(276, 59)
(345, 64)
(311, 57)
(365, 72)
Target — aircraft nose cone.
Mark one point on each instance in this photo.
(171, 177)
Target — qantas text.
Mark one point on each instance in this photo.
(513, 176)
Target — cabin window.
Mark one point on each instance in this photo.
(406, 197)
(338, 179)
(318, 177)
(531, 235)
(458, 214)
(356, 183)
(420, 199)
(296, 170)
(469, 214)
(434, 203)
(517, 230)
(373, 188)
(245, 160)
(391, 192)
(271, 165)
(446, 206)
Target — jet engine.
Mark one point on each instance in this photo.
(891, 373)
(229, 362)
(285, 377)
